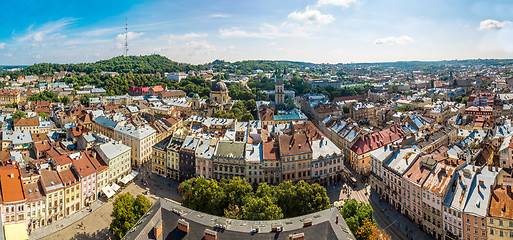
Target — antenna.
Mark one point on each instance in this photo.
(126, 37)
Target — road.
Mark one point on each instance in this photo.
(384, 223)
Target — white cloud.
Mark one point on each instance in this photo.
(188, 36)
(129, 35)
(38, 56)
(100, 32)
(311, 16)
(394, 40)
(219, 15)
(8, 54)
(492, 24)
(269, 31)
(199, 47)
(342, 3)
(236, 32)
(48, 31)
(2, 45)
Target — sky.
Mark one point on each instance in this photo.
(201, 31)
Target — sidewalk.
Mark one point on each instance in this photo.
(403, 223)
(63, 223)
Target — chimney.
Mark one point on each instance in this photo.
(307, 222)
(297, 236)
(183, 226)
(336, 220)
(210, 234)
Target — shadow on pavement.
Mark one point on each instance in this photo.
(102, 234)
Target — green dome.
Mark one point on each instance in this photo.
(195, 95)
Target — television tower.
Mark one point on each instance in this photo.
(126, 37)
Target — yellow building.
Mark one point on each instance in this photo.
(500, 217)
(9, 96)
(71, 191)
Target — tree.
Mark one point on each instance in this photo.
(369, 231)
(261, 209)
(355, 214)
(65, 100)
(127, 211)
(18, 114)
(43, 115)
(84, 100)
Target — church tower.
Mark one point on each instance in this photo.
(279, 91)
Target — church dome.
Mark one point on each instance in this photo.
(219, 87)
(195, 96)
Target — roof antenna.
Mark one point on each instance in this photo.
(126, 37)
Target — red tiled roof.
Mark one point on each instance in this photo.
(97, 162)
(139, 89)
(377, 139)
(48, 177)
(500, 200)
(171, 121)
(266, 114)
(12, 186)
(157, 88)
(294, 144)
(173, 93)
(38, 137)
(24, 122)
(42, 146)
(83, 166)
(68, 177)
(62, 160)
(42, 110)
(309, 129)
(271, 153)
(43, 103)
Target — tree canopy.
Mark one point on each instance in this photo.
(127, 211)
(237, 199)
(358, 217)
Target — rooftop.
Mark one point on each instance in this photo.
(501, 202)
(324, 225)
(114, 149)
(294, 144)
(12, 186)
(230, 149)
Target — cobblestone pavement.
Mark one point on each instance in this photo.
(401, 227)
(344, 191)
(95, 224)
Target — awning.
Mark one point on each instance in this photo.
(115, 187)
(127, 179)
(134, 173)
(16, 231)
(108, 191)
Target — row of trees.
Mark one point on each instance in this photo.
(358, 217)
(238, 200)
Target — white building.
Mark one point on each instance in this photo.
(327, 161)
(140, 139)
(177, 76)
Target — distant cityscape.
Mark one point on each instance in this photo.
(432, 141)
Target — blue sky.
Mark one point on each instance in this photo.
(200, 31)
